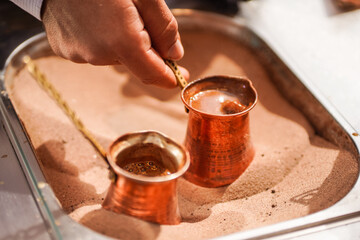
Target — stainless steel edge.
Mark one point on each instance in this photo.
(60, 225)
(20, 216)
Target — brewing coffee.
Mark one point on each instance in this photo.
(216, 102)
(146, 165)
(147, 160)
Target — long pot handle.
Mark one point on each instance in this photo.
(56, 96)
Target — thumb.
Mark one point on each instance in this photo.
(162, 28)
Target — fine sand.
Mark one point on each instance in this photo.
(294, 173)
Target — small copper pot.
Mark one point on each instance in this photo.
(151, 198)
(219, 146)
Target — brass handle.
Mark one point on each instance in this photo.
(179, 77)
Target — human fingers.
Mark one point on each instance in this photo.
(136, 51)
(150, 68)
(162, 28)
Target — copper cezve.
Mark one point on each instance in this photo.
(218, 134)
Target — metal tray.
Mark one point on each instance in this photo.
(327, 124)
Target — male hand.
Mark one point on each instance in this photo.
(136, 33)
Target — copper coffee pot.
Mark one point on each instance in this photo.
(151, 193)
(218, 134)
(218, 138)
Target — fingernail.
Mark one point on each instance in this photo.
(176, 51)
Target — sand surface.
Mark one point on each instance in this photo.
(294, 173)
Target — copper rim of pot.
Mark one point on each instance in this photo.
(210, 78)
(182, 165)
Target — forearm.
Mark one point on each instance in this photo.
(31, 6)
